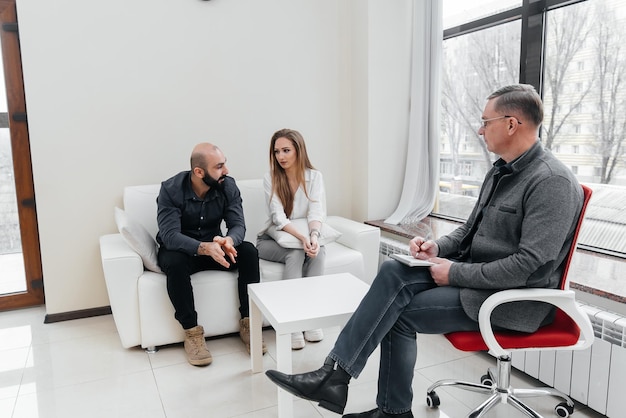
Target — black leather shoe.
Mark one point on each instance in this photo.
(327, 385)
(377, 413)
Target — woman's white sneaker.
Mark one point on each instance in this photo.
(297, 341)
(313, 335)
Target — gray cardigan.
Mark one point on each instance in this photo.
(522, 240)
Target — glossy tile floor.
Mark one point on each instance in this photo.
(79, 369)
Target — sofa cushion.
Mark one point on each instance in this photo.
(327, 235)
(141, 206)
(253, 202)
(138, 239)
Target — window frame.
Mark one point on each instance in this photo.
(532, 14)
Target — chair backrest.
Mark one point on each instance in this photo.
(587, 192)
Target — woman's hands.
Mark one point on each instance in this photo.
(311, 246)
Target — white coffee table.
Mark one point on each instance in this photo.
(297, 305)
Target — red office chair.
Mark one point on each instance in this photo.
(570, 330)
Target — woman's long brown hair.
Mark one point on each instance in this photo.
(280, 183)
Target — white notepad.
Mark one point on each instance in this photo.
(409, 260)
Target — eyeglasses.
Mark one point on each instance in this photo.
(483, 122)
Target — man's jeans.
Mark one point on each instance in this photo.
(179, 267)
(401, 301)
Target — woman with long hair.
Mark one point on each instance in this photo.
(294, 189)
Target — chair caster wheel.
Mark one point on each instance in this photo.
(486, 380)
(432, 400)
(564, 410)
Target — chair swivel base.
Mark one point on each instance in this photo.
(497, 385)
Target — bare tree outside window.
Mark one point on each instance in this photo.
(568, 28)
(584, 48)
(611, 95)
(472, 65)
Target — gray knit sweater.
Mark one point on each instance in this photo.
(522, 240)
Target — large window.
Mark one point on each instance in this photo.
(572, 52)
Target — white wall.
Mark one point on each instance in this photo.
(118, 92)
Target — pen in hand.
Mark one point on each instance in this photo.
(422, 249)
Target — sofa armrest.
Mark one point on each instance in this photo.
(122, 268)
(362, 238)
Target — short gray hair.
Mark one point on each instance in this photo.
(522, 98)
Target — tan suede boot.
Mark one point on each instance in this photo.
(195, 346)
(244, 333)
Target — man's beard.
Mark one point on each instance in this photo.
(211, 182)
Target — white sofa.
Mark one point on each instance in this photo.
(139, 302)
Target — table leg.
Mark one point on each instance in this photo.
(284, 364)
(256, 329)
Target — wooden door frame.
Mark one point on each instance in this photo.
(22, 164)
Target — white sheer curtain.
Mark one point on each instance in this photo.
(421, 177)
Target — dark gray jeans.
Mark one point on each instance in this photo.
(401, 302)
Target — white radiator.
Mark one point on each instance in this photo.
(595, 377)
(392, 246)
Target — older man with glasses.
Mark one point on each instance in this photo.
(517, 236)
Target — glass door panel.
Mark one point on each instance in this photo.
(12, 275)
(21, 276)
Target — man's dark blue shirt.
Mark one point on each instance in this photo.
(185, 220)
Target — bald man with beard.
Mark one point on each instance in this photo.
(191, 207)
